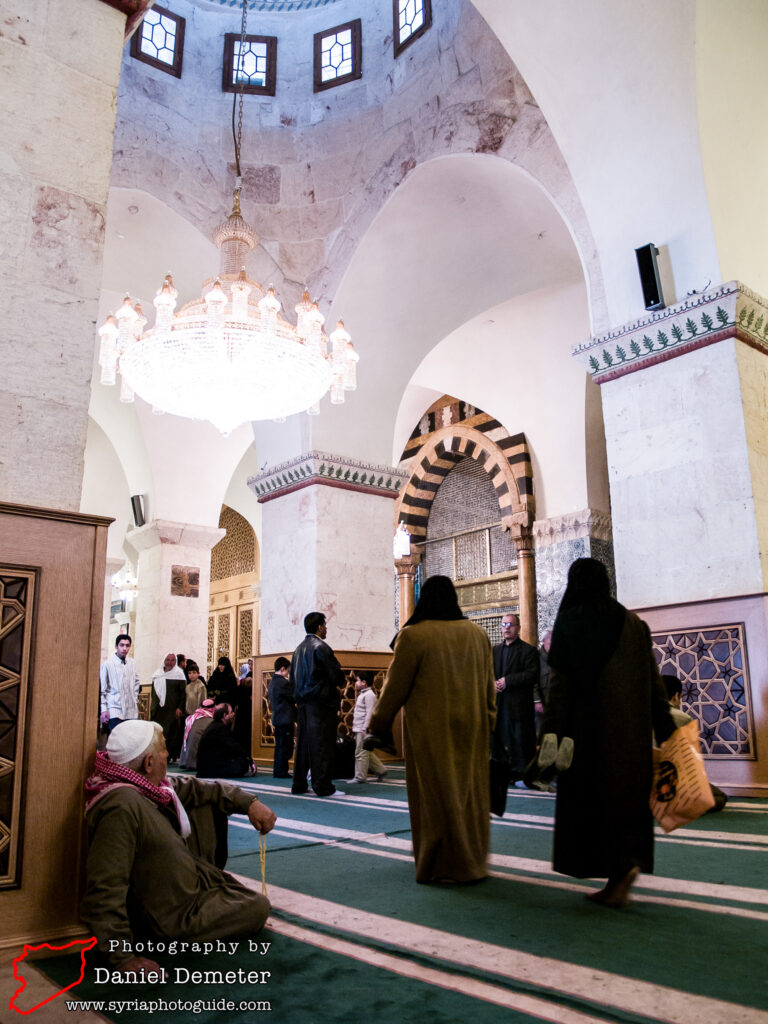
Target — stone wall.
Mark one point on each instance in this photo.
(59, 68)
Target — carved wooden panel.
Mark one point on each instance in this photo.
(17, 592)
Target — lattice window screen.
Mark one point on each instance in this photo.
(245, 634)
(503, 551)
(224, 636)
(211, 635)
(471, 555)
(235, 554)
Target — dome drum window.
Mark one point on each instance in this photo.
(412, 18)
(338, 55)
(159, 41)
(255, 69)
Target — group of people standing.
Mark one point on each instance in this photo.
(305, 694)
(179, 700)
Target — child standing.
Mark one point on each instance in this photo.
(365, 760)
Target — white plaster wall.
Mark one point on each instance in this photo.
(167, 622)
(57, 109)
(514, 362)
(617, 82)
(461, 236)
(105, 489)
(732, 84)
(328, 549)
(681, 492)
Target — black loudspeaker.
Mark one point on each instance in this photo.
(137, 504)
(649, 276)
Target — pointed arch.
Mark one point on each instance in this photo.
(504, 457)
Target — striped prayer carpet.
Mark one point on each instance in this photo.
(353, 937)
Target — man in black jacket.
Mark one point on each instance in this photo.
(516, 667)
(316, 681)
(283, 709)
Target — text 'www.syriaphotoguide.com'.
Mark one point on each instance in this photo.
(166, 1005)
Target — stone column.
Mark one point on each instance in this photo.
(327, 546)
(406, 577)
(526, 577)
(57, 155)
(684, 399)
(174, 579)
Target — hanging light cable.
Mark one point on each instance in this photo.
(229, 357)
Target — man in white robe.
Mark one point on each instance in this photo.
(119, 685)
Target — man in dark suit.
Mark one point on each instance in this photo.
(516, 667)
(316, 681)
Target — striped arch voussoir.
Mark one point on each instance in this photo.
(505, 459)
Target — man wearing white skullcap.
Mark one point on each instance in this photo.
(156, 846)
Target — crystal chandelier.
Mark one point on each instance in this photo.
(228, 357)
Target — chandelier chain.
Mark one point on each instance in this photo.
(237, 102)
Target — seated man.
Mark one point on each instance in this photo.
(219, 755)
(152, 842)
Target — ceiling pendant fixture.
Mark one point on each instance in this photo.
(228, 357)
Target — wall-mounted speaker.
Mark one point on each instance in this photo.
(137, 504)
(650, 281)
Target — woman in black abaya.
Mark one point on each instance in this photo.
(606, 693)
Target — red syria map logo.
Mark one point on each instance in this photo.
(84, 944)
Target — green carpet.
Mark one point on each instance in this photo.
(697, 928)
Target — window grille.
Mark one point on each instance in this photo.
(338, 55)
(255, 67)
(412, 18)
(159, 40)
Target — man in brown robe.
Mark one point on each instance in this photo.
(152, 843)
(442, 673)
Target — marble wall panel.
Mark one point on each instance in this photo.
(681, 490)
(327, 549)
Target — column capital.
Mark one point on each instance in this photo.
(330, 470)
(163, 531)
(408, 564)
(730, 310)
(522, 535)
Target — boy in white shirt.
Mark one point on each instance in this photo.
(365, 760)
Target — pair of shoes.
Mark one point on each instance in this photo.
(543, 787)
(380, 775)
(354, 782)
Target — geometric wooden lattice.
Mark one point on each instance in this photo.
(245, 634)
(16, 605)
(711, 664)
